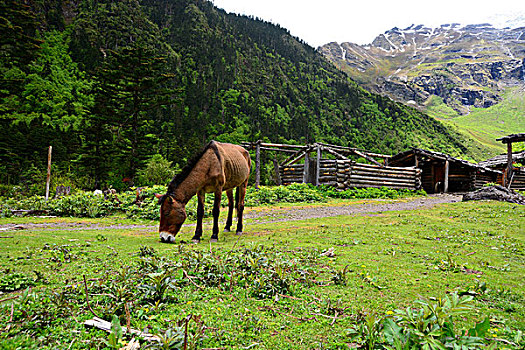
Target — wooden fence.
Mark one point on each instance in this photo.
(305, 164)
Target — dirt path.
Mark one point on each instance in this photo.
(301, 213)
(269, 215)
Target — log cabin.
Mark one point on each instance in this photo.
(443, 173)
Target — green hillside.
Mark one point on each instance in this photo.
(112, 83)
(485, 125)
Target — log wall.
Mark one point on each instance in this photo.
(518, 180)
(291, 173)
(481, 180)
(427, 176)
(364, 175)
(345, 174)
(460, 178)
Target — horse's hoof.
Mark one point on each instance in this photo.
(238, 233)
(165, 237)
(214, 240)
(196, 241)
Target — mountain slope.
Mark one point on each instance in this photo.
(232, 78)
(487, 124)
(286, 89)
(448, 72)
(467, 66)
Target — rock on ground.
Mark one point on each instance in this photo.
(498, 193)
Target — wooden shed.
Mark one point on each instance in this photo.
(443, 173)
(517, 181)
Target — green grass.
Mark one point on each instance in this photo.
(488, 124)
(438, 109)
(392, 259)
(483, 126)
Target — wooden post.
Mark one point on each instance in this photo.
(48, 171)
(258, 164)
(447, 166)
(508, 174)
(306, 170)
(416, 161)
(277, 173)
(318, 165)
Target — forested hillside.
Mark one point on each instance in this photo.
(109, 84)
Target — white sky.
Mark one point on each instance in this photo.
(322, 21)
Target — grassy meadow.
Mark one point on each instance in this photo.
(485, 125)
(331, 283)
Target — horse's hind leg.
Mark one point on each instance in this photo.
(228, 226)
(216, 212)
(239, 198)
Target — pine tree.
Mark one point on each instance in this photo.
(132, 86)
(18, 45)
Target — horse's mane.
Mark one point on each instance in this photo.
(180, 177)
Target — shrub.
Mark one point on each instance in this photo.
(158, 171)
(293, 193)
(87, 204)
(371, 192)
(82, 204)
(432, 326)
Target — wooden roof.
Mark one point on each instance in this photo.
(501, 160)
(438, 156)
(512, 138)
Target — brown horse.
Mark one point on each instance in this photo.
(219, 167)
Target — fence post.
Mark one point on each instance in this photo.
(258, 164)
(48, 171)
(306, 169)
(508, 171)
(447, 166)
(277, 172)
(318, 170)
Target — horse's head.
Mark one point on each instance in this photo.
(172, 216)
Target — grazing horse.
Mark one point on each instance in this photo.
(219, 167)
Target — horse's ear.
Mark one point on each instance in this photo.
(158, 195)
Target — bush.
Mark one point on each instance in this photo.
(158, 171)
(432, 326)
(82, 204)
(33, 182)
(87, 204)
(368, 193)
(9, 190)
(293, 193)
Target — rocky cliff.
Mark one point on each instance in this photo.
(467, 66)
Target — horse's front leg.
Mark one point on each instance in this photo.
(216, 211)
(200, 215)
(228, 226)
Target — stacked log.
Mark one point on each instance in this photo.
(344, 169)
(481, 180)
(344, 174)
(327, 172)
(427, 178)
(291, 173)
(473, 177)
(364, 175)
(518, 181)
